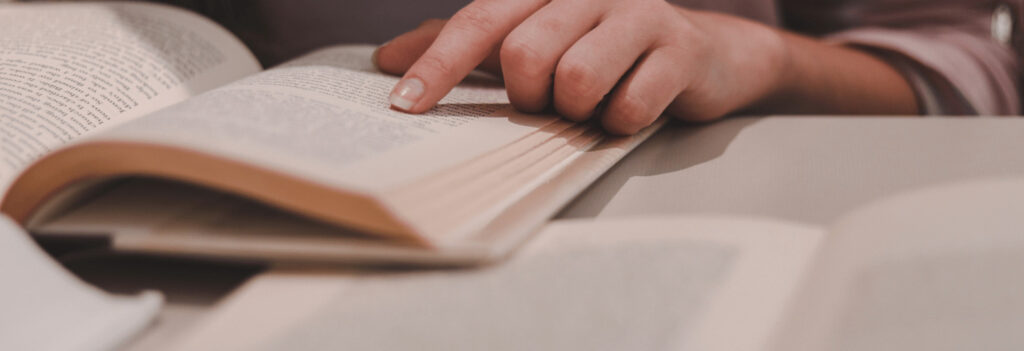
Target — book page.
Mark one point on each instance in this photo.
(155, 216)
(45, 307)
(70, 70)
(630, 284)
(936, 269)
(326, 116)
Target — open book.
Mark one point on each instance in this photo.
(99, 99)
(940, 268)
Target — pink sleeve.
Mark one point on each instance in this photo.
(949, 50)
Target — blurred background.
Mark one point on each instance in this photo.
(279, 30)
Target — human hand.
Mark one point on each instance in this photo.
(635, 58)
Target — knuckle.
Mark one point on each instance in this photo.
(651, 8)
(552, 25)
(653, 14)
(694, 40)
(677, 53)
(519, 57)
(474, 18)
(577, 80)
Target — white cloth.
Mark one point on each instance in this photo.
(44, 307)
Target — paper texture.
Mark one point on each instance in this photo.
(70, 70)
(326, 117)
(654, 283)
(46, 308)
(936, 269)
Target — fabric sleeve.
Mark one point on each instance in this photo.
(947, 49)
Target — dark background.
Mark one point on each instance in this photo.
(277, 30)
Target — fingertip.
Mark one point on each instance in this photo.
(528, 106)
(619, 129)
(416, 108)
(407, 95)
(625, 117)
(573, 115)
(375, 57)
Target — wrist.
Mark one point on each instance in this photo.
(752, 61)
(763, 62)
(789, 75)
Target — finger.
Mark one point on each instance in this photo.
(529, 54)
(590, 68)
(398, 54)
(643, 95)
(464, 42)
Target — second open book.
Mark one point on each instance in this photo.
(933, 269)
(315, 138)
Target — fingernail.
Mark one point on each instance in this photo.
(407, 93)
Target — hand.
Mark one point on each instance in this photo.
(636, 58)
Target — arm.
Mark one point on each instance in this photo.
(802, 75)
(825, 78)
(637, 59)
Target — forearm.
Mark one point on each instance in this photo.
(761, 69)
(822, 78)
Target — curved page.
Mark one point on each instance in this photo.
(935, 269)
(70, 70)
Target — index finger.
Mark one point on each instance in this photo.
(464, 42)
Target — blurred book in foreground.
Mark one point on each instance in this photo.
(939, 268)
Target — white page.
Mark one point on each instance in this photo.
(70, 70)
(936, 269)
(46, 308)
(326, 117)
(636, 284)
